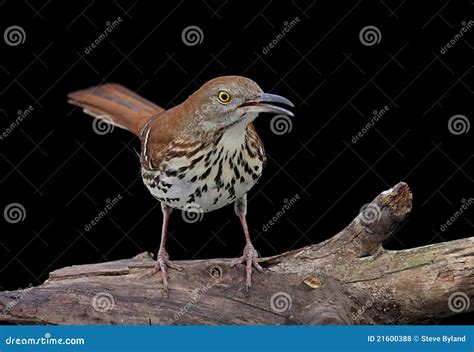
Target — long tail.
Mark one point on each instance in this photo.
(116, 105)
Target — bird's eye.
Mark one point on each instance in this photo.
(224, 97)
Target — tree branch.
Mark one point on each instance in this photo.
(348, 279)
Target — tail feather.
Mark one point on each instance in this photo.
(117, 105)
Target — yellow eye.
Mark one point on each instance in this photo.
(224, 97)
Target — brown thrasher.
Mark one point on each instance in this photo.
(198, 156)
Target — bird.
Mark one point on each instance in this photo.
(198, 156)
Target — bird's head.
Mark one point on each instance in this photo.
(231, 100)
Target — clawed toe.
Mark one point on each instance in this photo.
(162, 264)
(257, 266)
(174, 266)
(249, 259)
(150, 273)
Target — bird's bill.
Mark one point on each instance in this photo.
(263, 104)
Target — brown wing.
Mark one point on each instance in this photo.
(163, 137)
(117, 105)
(257, 143)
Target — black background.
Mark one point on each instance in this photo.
(62, 172)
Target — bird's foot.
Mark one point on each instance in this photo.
(249, 258)
(162, 264)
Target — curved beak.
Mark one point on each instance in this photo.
(264, 104)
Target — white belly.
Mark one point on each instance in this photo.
(223, 174)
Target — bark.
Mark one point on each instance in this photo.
(348, 279)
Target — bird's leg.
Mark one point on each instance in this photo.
(162, 258)
(249, 257)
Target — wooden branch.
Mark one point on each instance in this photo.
(348, 279)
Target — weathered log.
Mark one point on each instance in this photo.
(348, 279)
